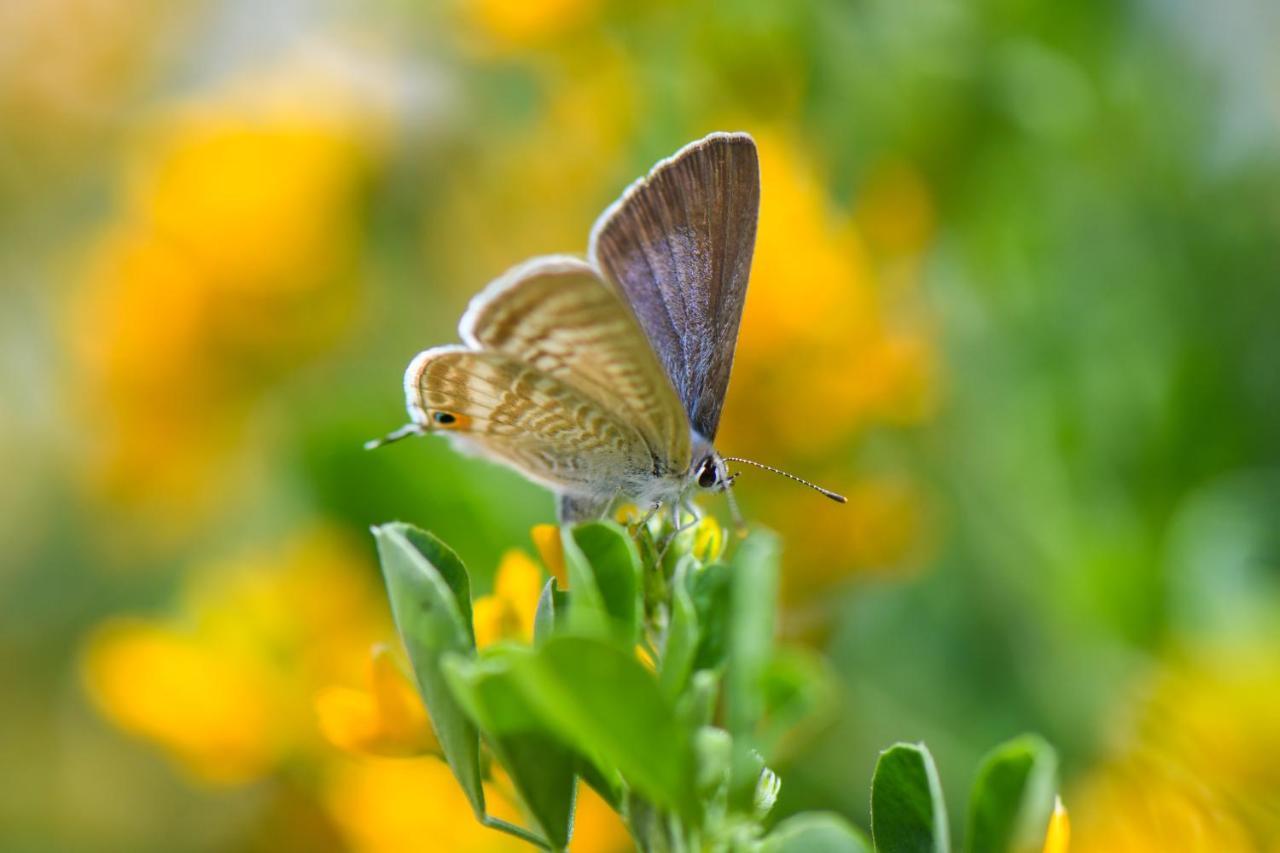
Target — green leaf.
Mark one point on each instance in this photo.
(431, 604)
(815, 832)
(588, 615)
(601, 701)
(709, 589)
(1012, 797)
(608, 786)
(752, 597)
(541, 768)
(615, 566)
(682, 635)
(907, 811)
(749, 646)
(552, 613)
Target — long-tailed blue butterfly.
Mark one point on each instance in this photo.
(604, 378)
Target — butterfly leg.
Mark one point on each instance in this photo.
(676, 508)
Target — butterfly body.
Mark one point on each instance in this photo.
(603, 379)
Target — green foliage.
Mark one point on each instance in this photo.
(907, 811)
(431, 602)
(678, 745)
(541, 767)
(815, 832)
(1012, 797)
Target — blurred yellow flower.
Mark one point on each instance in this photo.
(394, 805)
(546, 539)
(213, 715)
(597, 828)
(507, 614)
(1058, 837)
(818, 326)
(833, 342)
(1197, 772)
(509, 25)
(385, 718)
(225, 684)
(230, 263)
(708, 539)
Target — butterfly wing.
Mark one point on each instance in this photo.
(512, 412)
(557, 315)
(678, 244)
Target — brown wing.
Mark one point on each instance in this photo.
(678, 244)
(556, 314)
(516, 414)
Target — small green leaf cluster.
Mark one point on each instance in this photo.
(654, 679)
(1010, 805)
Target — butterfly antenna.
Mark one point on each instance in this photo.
(838, 498)
(391, 437)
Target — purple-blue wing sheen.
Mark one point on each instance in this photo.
(678, 246)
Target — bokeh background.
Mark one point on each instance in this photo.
(1016, 292)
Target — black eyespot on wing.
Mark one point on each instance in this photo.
(444, 418)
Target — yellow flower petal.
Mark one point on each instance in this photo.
(1058, 838)
(627, 513)
(211, 711)
(708, 539)
(386, 719)
(546, 538)
(508, 613)
(492, 620)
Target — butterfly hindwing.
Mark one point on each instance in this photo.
(514, 413)
(557, 315)
(678, 244)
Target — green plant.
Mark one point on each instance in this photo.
(654, 679)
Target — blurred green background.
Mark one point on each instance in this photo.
(1016, 292)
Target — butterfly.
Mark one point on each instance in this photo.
(604, 378)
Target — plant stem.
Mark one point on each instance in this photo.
(518, 831)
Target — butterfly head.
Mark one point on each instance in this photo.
(710, 472)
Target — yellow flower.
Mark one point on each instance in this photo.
(646, 659)
(513, 25)
(225, 683)
(214, 715)
(237, 240)
(818, 325)
(384, 805)
(597, 828)
(1058, 837)
(1196, 764)
(628, 513)
(708, 539)
(507, 614)
(386, 718)
(546, 539)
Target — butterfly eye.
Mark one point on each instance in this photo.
(708, 476)
(449, 420)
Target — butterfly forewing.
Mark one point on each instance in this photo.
(557, 315)
(678, 244)
(515, 413)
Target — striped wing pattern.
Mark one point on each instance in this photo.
(519, 415)
(557, 315)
